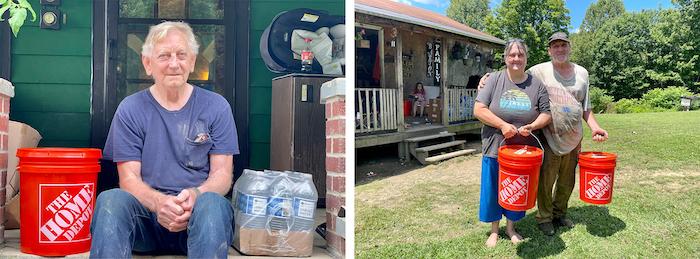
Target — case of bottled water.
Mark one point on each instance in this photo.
(274, 213)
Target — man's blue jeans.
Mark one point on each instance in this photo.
(121, 224)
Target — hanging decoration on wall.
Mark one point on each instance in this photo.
(457, 51)
(467, 55)
(437, 59)
(429, 52)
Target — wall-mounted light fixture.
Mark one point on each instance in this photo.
(394, 34)
(50, 14)
(477, 57)
(467, 53)
(50, 2)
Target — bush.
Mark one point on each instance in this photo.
(634, 106)
(600, 100)
(668, 98)
(695, 105)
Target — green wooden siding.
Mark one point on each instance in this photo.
(262, 12)
(51, 71)
(52, 74)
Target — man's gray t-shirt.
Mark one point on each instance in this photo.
(517, 104)
(568, 101)
(172, 146)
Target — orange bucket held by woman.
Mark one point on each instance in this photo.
(518, 175)
(596, 170)
(57, 187)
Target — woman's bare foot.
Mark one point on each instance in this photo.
(510, 231)
(514, 237)
(491, 241)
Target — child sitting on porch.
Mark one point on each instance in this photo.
(419, 99)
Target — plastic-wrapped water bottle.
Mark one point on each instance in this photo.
(252, 196)
(279, 207)
(304, 203)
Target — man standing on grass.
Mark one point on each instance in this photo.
(567, 85)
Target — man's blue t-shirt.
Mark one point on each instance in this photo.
(172, 146)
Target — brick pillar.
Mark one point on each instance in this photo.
(333, 94)
(7, 91)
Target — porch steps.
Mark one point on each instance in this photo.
(429, 137)
(438, 158)
(437, 147)
(441, 146)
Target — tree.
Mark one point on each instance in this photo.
(470, 12)
(582, 48)
(637, 52)
(621, 50)
(532, 21)
(673, 51)
(596, 15)
(690, 11)
(599, 12)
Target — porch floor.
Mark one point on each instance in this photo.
(416, 122)
(11, 246)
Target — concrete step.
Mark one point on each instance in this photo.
(438, 158)
(440, 146)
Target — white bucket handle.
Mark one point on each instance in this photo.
(531, 134)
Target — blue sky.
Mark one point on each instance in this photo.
(577, 8)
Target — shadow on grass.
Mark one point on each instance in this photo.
(597, 220)
(380, 169)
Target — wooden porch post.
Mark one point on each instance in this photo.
(399, 82)
(403, 148)
(443, 84)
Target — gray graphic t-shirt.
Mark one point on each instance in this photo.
(517, 104)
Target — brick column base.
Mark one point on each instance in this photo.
(7, 91)
(333, 94)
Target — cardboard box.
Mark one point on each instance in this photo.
(435, 117)
(20, 135)
(434, 110)
(12, 213)
(250, 241)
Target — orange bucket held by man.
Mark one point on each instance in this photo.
(57, 188)
(596, 172)
(518, 175)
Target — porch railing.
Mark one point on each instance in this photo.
(460, 103)
(375, 110)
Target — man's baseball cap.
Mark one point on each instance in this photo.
(558, 36)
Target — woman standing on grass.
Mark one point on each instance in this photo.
(511, 106)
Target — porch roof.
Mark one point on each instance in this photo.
(409, 14)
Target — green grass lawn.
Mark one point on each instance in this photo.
(432, 212)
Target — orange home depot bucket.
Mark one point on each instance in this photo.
(596, 170)
(58, 193)
(518, 175)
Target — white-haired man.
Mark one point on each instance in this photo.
(173, 144)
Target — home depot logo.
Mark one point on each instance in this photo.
(598, 187)
(64, 212)
(513, 188)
